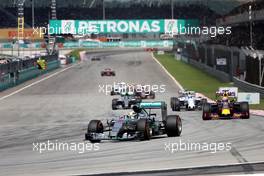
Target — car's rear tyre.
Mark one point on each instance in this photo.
(94, 126)
(244, 109)
(114, 104)
(203, 102)
(173, 126)
(123, 105)
(175, 104)
(206, 111)
(143, 129)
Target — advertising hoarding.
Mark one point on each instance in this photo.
(251, 98)
(11, 33)
(82, 27)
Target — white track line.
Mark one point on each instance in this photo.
(175, 81)
(35, 83)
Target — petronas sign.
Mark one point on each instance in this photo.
(84, 27)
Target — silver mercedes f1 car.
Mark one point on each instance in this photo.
(142, 124)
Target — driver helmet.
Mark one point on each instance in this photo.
(225, 99)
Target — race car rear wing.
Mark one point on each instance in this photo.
(226, 93)
(156, 105)
(187, 92)
(230, 91)
(152, 105)
(222, 93)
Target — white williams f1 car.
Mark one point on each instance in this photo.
(187, 100)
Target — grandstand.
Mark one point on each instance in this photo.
(243, 48)
(135, 9)
(247, 36)
(257, 5)
(42, 14)
(241, 22)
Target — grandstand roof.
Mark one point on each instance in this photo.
(220, 6)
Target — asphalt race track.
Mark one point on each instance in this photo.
(59, 109)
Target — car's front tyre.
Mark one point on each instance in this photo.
(143, 129)
(94, 127)
(114, 104)
(175, 104)
(206, 111)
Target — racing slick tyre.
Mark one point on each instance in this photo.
(143, 129)
(113, 74)
(102, 74)
(203, 102)
(206, 111)
(94, 126)
(114, 104)
(173, 126)
(244, 109)
(124, 106)
(175, 104)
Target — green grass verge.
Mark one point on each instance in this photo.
(195, 79)
(259, 106)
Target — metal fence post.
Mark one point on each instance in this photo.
(213, 57)
(205, 55)
(231, 70)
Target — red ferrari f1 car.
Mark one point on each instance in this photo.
(108, 72)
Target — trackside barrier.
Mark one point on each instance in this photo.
(34, 72)
(52, 65)
(248, 87)
(95, 44)
(11, 80)
(5, 82)
(210, 70)
(224, 63)
(27, 74)
(73, 59)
